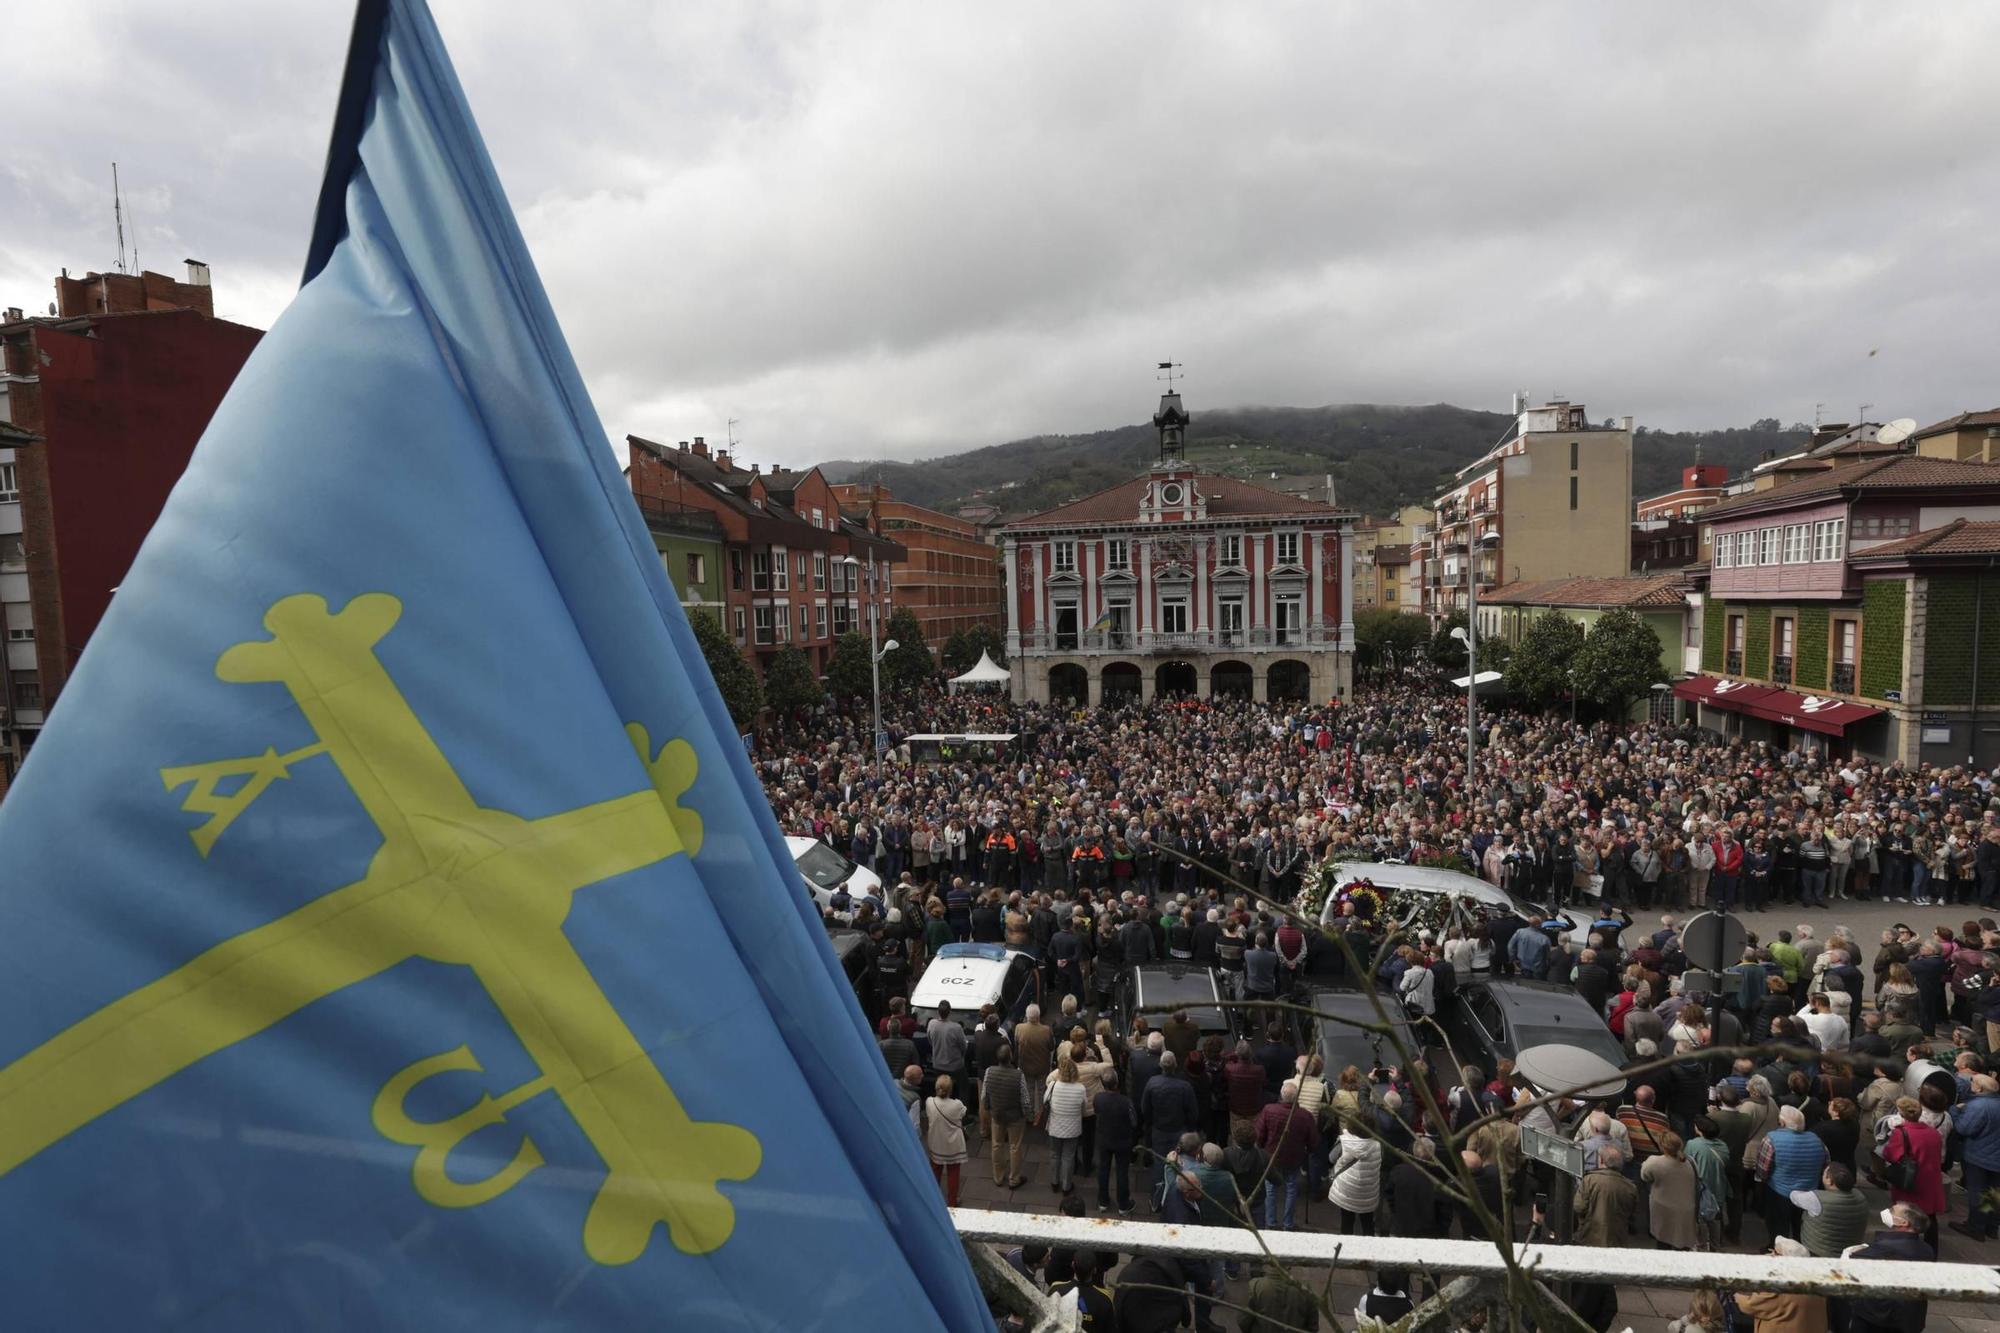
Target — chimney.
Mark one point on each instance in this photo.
(684, 446)
(197, 273)
(13, 314)
(700, 447)
(753, 469)
(722, 459)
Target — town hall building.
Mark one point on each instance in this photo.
(1181, 583)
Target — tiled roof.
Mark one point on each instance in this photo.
(1990, 417)
(1226, 497)
(1641, 592)
(1902, 472)
(1392, 555)
(12, 434)
(1961, 536)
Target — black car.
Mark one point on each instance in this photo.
(1162, 988)
(1489, 1020)
(1341, 1045)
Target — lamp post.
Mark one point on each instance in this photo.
(875, 656)
(1469, 636)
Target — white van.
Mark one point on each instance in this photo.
(826, 870)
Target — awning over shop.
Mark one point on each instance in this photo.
(1735, 695)
(1811, 711)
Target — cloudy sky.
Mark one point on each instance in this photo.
(905, 229)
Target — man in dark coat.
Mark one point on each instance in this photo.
(1905, 1240)
(1168, 1109)
(1151, 1297)
(1410, 1194)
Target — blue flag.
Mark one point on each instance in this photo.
(394, 934)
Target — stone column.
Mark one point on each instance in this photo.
(1260, 681)
(1347, 587)
(1198, 616)
(1313, 576)
(1143, 612)
(1145, 685)
(1042, 613)
(1096, 686)
(1013, 602)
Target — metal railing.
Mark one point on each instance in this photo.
(1732, 662)
(1043, 642)
(1477, 1260)
(1781, 670)
(1841, 679)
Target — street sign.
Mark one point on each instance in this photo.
(881, 742)
(1552, 1150)
(1713, 941)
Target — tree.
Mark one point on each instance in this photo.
(789, 683)
(848, 673)
(957, 653)
(1449, 653)
(910, 664)
(1539, 670)
(988, 640)
(1619, 661)
(1385, 636)
(742, 694)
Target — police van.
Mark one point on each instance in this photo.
(970, 975)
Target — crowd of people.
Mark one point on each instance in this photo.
(1179, 830)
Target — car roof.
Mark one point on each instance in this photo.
(1182, 984)
(984, 966)
(1424, 879)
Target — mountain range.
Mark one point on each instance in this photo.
(1379, 458)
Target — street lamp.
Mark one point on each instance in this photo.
(1471, 706)
(875, 656)
(1469, 636)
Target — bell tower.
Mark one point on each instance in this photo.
(1171, 420)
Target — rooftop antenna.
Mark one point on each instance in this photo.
(1861, 417)
(729, 431)
(1170, 367)
(118, 215)
(1819, 414)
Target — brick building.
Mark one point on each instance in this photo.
(1855, 608)
(783, 541)
(1181, 582)
(950, 578)
(104, 402)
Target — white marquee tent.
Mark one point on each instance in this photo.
(983, 672)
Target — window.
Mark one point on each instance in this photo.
(1866, 529)
(1767, 546)
(819, 571)
(1232, 551)
(697, 570)
(736, 572)
(1117, 554)
(1174, 615)
(20, 623)
(1846, 639)
(739, 624)
(9, 488)
(1795, 543)
(1291, 619)
(760, 571)
(819, 619)
(1725, 551)
(1574, 447)
(27, 690)
(11, 550)
(1693, 632)
(802, 570)
(1781, 649)
(1229, 619)
(763, 624)
(1065, 557)
(842, 619)
(1732, 658)
(1572, 492)
(1288, 548)
(1829, 539)
(781, 570)
(819, 517)
(783, 616)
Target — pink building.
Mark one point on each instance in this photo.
(1181, 582)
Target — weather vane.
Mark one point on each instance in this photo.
(1170, 367)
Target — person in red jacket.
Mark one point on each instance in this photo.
(1728, 872)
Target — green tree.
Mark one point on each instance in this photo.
(1539, 669)
(910, 664)
(848, 673)
(1619, 661)
(988, 640)
(1386, 637)
(957, 653)
(1449, 653)
(789, 682)
(742, 694)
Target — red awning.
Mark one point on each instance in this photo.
(1811, 711)
(1736, 695)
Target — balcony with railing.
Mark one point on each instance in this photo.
(1042, 641)
(1781, 669)
(1841, 680)
(1732, 662)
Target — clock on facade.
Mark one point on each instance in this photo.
(1172, 493)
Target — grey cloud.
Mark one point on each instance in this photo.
(902, 229)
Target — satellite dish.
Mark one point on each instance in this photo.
(1896, 431)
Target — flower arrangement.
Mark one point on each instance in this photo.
(1323, 884)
